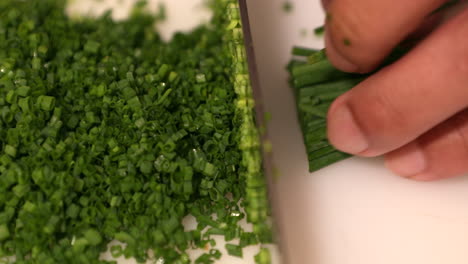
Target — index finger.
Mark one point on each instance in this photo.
(361, 33)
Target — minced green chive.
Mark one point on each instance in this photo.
(234, 250)
(318, 31)
(23, 91)
(347, 42)
(263, 256)
(10, 150)
(93, 237)
(4, 232)
(46, 103)
(288, 7)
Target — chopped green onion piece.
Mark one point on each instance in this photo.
(287, 6)
(347, 42)
(4, 232)
(318, 31)
(302, 51)
(10, 150)
(234, 250)
(23, 91)
(116, 251)
(93, 237)
(263, 256)
(46, 103)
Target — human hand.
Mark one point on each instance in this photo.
(414, 111)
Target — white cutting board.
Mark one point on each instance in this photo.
(354, 212)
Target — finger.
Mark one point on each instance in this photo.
(426, 27)
(325, 4)
(440, 153)
(362, 32)
(407, 98)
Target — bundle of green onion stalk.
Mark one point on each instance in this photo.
(316, 85)
(107, 132)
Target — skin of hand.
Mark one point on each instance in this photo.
(414, 111)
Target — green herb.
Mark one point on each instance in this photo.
(288, 7)
(263, 257)
(318, 31)
(302, 51)
(347, 42)
(256, 203)
(109, 133)
(234, 250)
(4, 232)
(316, 84)
(208, 258)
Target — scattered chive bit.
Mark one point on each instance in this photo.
(318, 31)
(288, 7)
(346, 42)
(234, 250)
(302, 51)
(267, 117)
(263, 256)
(303, 33)
(267, 146)
(328, 16)
(276, 173)
(109, 133)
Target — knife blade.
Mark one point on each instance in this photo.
(267, 159)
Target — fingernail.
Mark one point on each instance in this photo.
(408, 162)
(336, 57)
(343, 131)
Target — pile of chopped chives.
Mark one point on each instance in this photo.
(109, 133)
